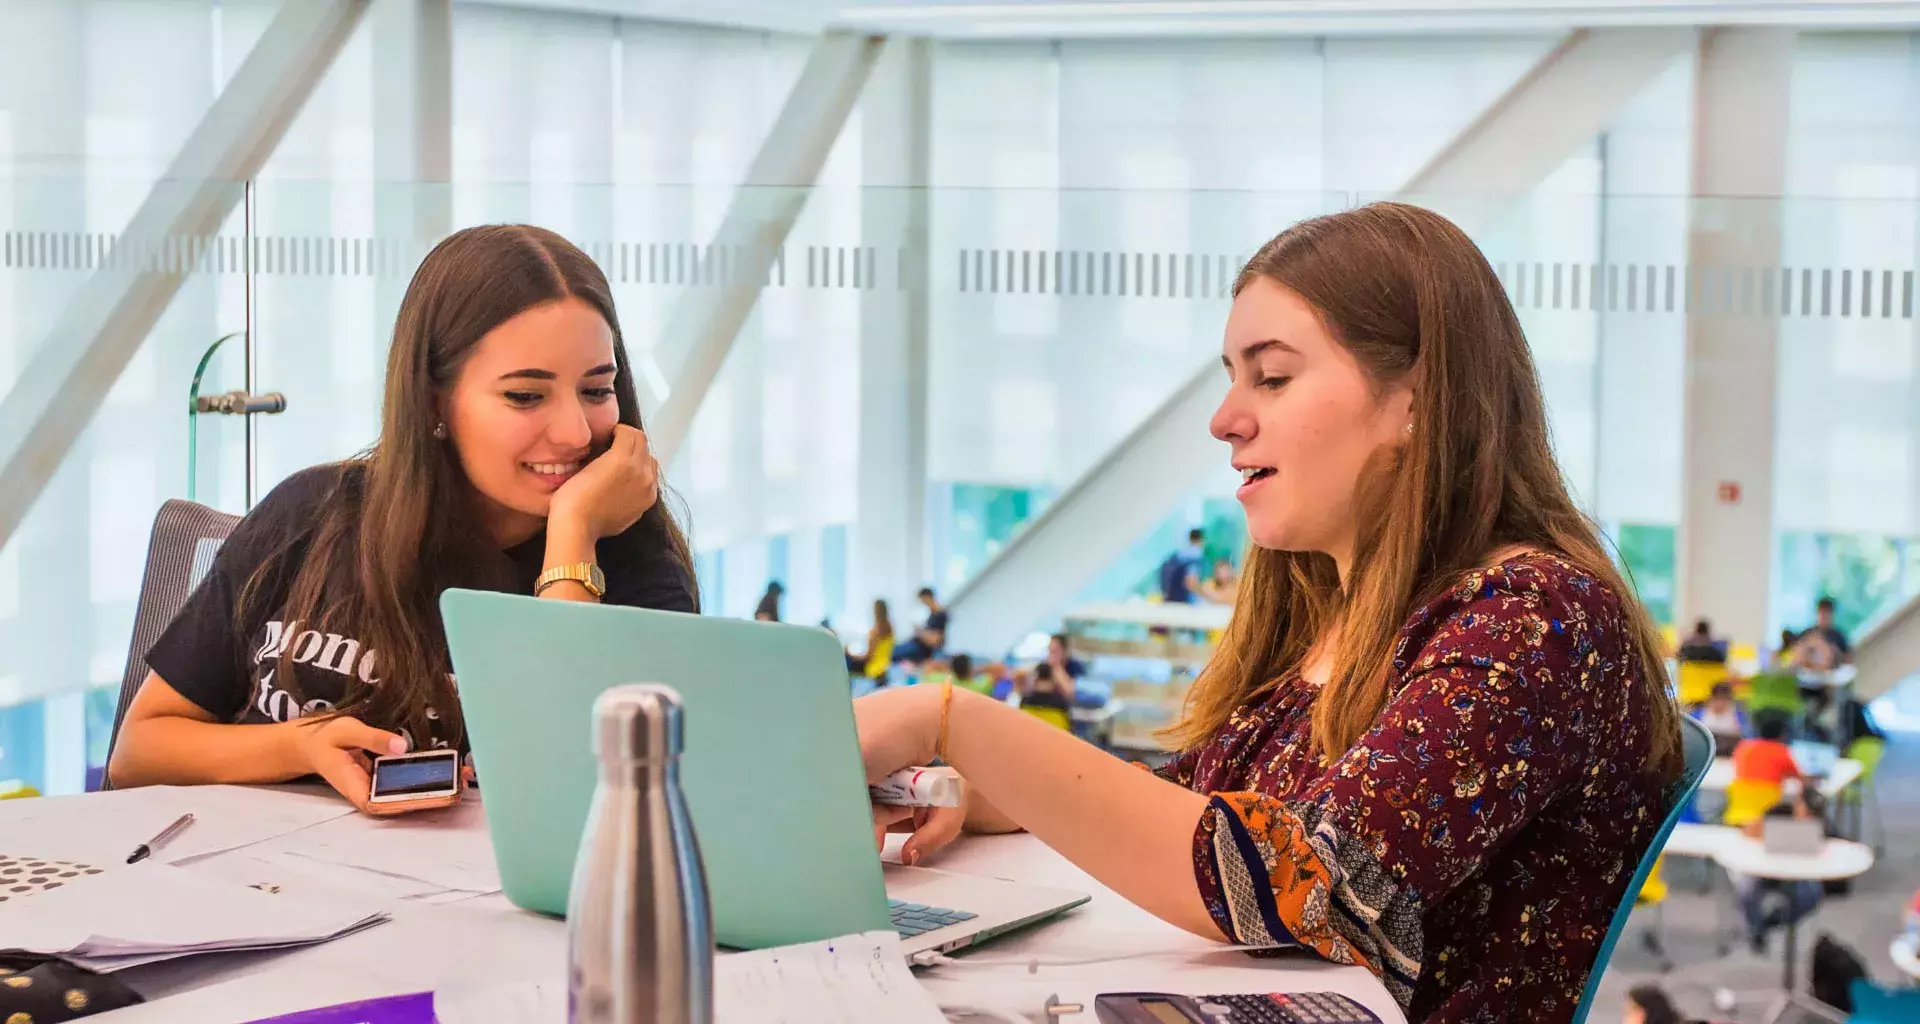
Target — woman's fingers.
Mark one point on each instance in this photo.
(342, 770)
(886, 818)
(353, 734)
(934, 827)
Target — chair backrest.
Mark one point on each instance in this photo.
(1748, 800)
(1779, 691)
(1867, 750)
(1697, 744)
(1875, 1005)
(1697, 679)
(1056, 717)
(180, 553)
(1654, 889)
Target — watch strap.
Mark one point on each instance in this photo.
(586, 574)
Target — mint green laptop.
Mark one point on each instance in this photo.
(771, 770)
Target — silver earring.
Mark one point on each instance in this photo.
(440, 431)
(1409, 429)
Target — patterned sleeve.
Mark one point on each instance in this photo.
(1179, 770)
(1489, 727)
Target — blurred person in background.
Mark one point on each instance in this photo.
(930, 637)
(1180, 572)
(872, 662)
(1065, 666)
(1648, 1004)
(1223, 585)
(1720, 714)
(1701, 646)
(769, 608)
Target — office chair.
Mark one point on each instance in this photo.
(180, 553)
(1697, 743)
(1748, 801)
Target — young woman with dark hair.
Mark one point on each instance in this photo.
(510, 458)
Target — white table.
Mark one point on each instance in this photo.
(1199, 618)
(1111, 946)
(1845, 772)
(1838, 858)
(1905, 952)
(1702, 841)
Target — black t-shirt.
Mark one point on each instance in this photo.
(937, 623)
(1831, 634)
(227, 666)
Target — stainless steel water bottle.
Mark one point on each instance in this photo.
(639, 927)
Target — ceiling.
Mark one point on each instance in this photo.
(1030, 19)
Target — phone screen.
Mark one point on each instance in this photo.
(421, 775)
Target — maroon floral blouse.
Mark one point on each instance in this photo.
(1471, 848)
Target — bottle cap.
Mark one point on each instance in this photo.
(640, 723)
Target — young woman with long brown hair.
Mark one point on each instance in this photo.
(510, 458)
(1435, 736)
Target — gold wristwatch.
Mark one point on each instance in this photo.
(586, 574)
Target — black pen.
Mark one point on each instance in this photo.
(145, 850)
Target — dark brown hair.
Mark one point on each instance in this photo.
(1412, 298)
(407, 525)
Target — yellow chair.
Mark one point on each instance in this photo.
(1653, 892)
(1056, 717)
(1697, 679)
(1748, 801)
(1654, 889)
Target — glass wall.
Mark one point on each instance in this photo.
(1089, 205)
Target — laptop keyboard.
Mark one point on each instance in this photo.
(911, 919)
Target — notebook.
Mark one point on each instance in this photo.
(149, 912)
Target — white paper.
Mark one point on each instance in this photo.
(523, 1002)
(449, 848)
(855, 979)
(102, 829)
(151, 911)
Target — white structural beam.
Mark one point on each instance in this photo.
(1888, 653)
(763, 211)
(105, 323)
(1570, 93)
(1541, 121)
(413, 122)
(1070, 19)
(889, 557)
(1739, 173)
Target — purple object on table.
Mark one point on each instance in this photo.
(415, 1008)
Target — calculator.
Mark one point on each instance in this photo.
(1274, 1008)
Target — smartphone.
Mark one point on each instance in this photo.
(426, 778)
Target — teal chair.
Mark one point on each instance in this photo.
(1875, 1005)
(1697, 743)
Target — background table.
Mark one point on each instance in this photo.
(1838, 858)
(1108, 945)
(1906, 956)
(1845, 772)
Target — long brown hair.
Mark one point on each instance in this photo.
(1414, 300)
(404, 523)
